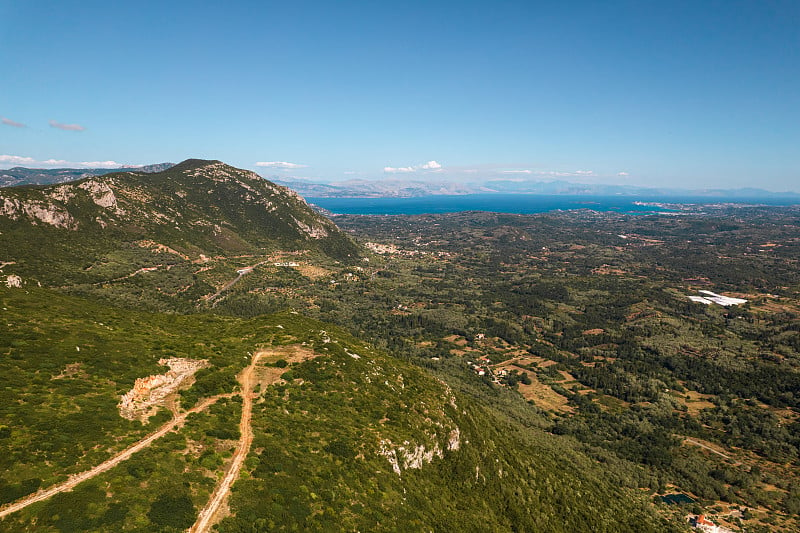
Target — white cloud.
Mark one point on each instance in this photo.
(566, 174)
(434, 166)
(517, 172)
(66, 127)
(431, 165)
(9, 122)
(393, 170)
(280, 165)
(512, 180)
(555, 173)
(623, 174)
(6, 160)
(16, 159)
(101, 164)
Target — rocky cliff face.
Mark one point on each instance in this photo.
(37, 211)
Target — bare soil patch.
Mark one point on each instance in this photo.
(543, 396)
(566, 377)
(293, 353)
(457, 340)
(696, 402)
(313, 272)
(72, 370)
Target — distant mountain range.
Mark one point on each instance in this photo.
(400, 188)
(44, 176)
(412, 188)
(375, 188)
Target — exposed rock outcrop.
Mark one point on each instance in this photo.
(148, 393)
(405, 456)
(46, 212)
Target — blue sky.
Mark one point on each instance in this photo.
(685, 94)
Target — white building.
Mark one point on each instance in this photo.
(714, 298)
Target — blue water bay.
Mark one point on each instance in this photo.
(515, 203)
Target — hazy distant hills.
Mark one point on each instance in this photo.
(42, 176)
(376, 188)
(404, 188)
(414, 188)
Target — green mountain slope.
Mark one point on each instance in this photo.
(348, 439)
(166, 241)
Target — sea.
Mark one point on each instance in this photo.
(524, 204)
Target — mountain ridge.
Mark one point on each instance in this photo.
(211, 205)
(182, 226)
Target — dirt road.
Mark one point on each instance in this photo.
(207, 515)
(687, 440)
(227, 286)
(109, 463)
(239, 274)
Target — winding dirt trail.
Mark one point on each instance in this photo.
(208, 515)
(110, 463)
